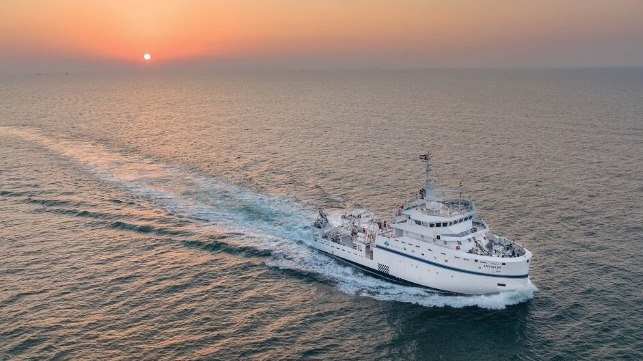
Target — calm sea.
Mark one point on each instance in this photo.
(151, 216)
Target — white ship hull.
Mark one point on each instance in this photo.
(438, 269)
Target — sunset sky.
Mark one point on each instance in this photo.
(80, 34)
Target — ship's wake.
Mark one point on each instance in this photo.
(278, 225)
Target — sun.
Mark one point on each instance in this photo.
(147, 56)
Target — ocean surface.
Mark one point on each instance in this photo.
(166, 216)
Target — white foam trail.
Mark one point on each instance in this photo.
(183, 192)
(264, 222)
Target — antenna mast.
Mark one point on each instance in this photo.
(430, 181)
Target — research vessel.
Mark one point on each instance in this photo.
(432, 241)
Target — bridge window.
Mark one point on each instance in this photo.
(444, 224)
(431, 225)
(418, 222)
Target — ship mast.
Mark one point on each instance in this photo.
(430, 181)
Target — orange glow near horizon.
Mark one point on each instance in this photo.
(424, 31)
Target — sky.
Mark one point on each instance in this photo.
(70, 35)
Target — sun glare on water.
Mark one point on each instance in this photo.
(147, 56)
